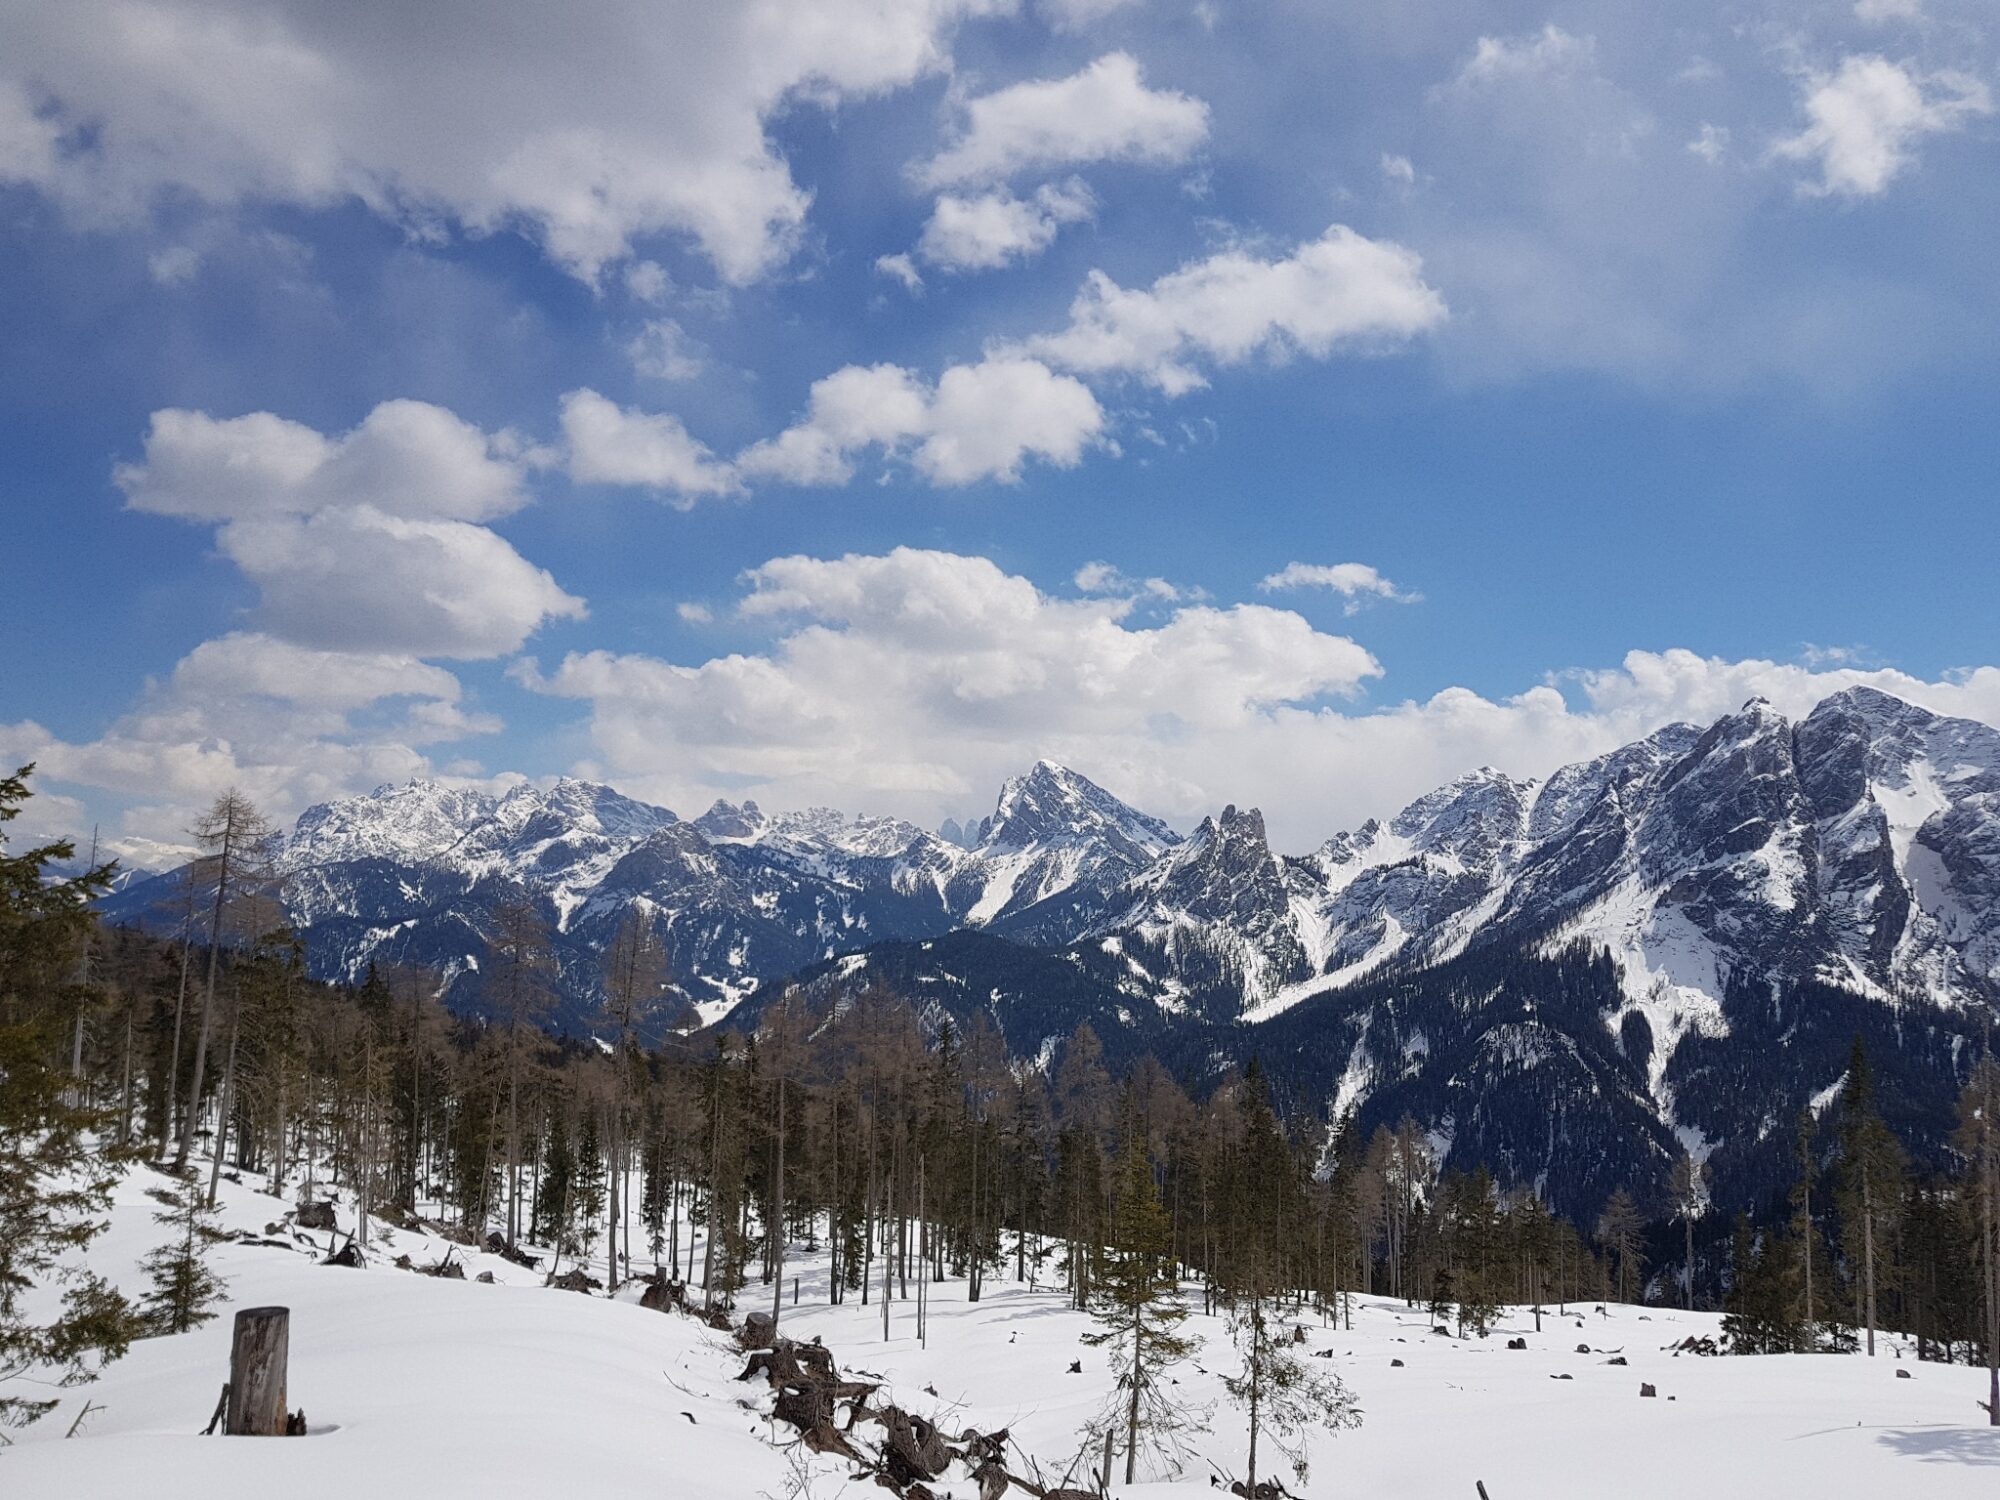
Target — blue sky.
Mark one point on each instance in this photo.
(850, 403)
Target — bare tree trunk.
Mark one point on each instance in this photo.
(888, 1254)
(777, 1225)
(923, 1252)
(1256, 1374)
(1132, 1405)
(208, 991)
(277, 1175)
(1868, 1253)
(1690, 1259)
(1990, 1241)
(714, 1182)
(611, 1215)
(180, 1004)
(125, 1090)
(228, 1106)
(364, 1198)
(513, 1136)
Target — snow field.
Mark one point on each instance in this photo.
(423, 1387)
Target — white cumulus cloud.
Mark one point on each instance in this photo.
(1864, 119)
(920, 676)
(592, 126)
(407, 458)
(992, 229)
(366, 541)
(1358, 583)
(980, 421)
(284, 723)
(913, 682)
(1103, 113)
(611, 444)
(1338, 290)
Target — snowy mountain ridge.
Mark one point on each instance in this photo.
(1859, 846)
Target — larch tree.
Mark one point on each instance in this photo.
(1811, 1276)
(515, 982)
(1621, 1230)
(635, 984)
(783, 1037)
(235, 841)
(1687, 1190)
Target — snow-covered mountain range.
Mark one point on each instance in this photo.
(1859, 847)
(1853, 854)
(411, 874)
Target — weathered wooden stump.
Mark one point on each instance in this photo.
(258, 1353)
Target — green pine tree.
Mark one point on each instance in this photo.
(1872, 1168)
(56, 1164)
(1761, 1313)
(1138, 1309)
(184, 1286)
(1281, 1393)
(587, 1193)
(554, 1190)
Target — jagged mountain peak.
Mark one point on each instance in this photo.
(572, 805)
(1572, 792)
(1226, 849)
(1859, 845)
(731, 820)
(1875, 704)
(1053, 803)
(416, 820)
(1479, 817)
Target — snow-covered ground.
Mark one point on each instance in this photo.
(422, 1387)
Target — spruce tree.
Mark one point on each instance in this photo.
(1280, 1392)
(1871, 1188)
(1472, 1211)
(554, 1191)
(56, 1164)
(1978, 1140)
(1759, 1316)
(587, 1193)
(1138, 1309)
(184, 1286)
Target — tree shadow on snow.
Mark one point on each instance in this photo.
(1946, 1445)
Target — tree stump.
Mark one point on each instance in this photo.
(258, 1353)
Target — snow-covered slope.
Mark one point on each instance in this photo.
(415, 1386)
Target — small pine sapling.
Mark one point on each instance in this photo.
(185, 1288)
